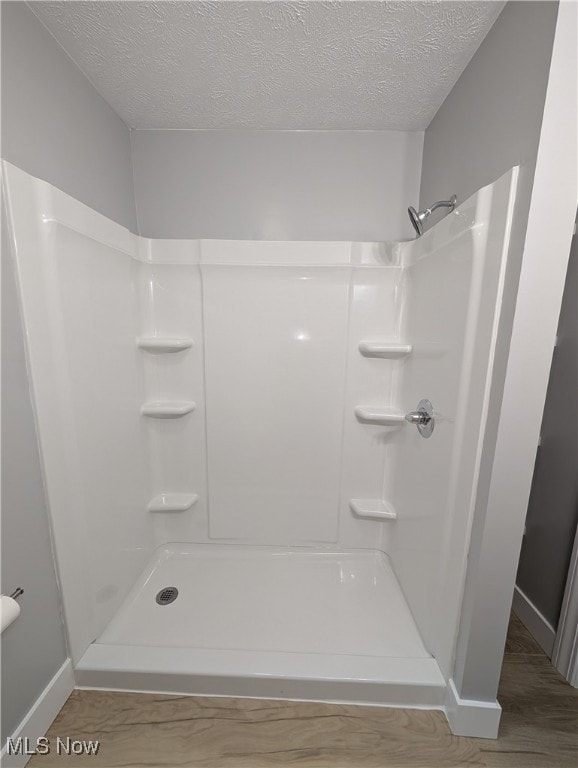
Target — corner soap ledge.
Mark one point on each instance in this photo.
(373, 509)
(168, 410)
(385, 349)
(172, 502)
(373, 414)
(160, 344)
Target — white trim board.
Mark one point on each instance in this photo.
(536, 624)
(470, 717)
(42, 714)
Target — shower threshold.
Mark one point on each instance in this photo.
(269, 622)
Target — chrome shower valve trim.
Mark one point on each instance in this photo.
(423, 418)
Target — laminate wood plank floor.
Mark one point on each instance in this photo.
(539, 728)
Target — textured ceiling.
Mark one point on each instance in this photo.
(272, 65)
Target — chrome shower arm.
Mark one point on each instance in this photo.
(451, 203)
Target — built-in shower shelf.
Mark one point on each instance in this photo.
(387, 349)
(160, 344)
(372, 414)
(373, 509)
(172, 502)
(168, 410)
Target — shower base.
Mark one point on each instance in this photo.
(267, 622)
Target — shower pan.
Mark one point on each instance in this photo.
(240, 502)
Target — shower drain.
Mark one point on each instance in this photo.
(167, 595)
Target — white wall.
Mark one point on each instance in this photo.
(276, 185)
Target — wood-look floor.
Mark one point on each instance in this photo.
(539, 728)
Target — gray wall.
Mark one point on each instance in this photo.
(54, 123)
(278, 185)
(553, 507)
(33, 647)
(491, 119)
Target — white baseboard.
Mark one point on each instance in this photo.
(470, 717)
(536, 624)
(41, 715)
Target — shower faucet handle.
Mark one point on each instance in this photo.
(423, 418)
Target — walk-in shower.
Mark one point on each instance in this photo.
(238, 501)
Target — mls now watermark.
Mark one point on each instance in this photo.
(44, 746)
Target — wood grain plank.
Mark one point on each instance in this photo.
(539, 725)
(519, 640)
(144, 730)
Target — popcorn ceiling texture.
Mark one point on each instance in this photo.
(272, 65)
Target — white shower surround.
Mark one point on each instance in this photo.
(96, 297)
